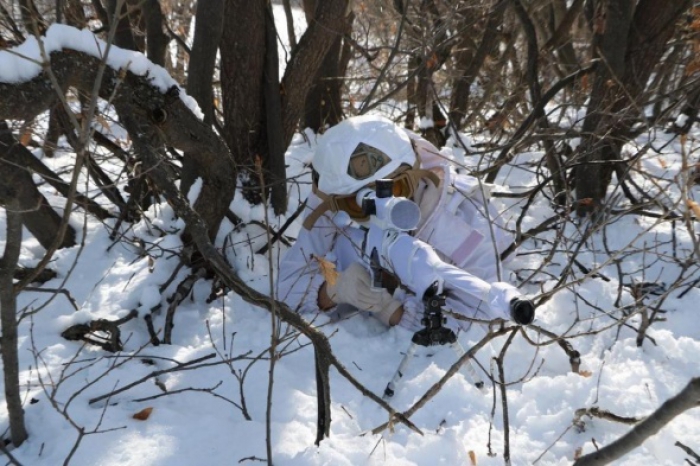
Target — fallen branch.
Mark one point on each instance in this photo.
(688, 450)
(603, 414)
(448, 375)
(574, 355)
(44, 275)
(685, 400)
(89, 332)
(183, 289)
(179, 367)
(62, 291)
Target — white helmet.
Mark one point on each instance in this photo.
(358, 151)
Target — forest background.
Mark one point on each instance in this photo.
(155, 160)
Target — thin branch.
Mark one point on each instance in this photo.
(685, 400)
(184, 366)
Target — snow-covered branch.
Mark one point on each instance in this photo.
(130, 81)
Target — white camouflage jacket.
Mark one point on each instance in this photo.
(464, 230)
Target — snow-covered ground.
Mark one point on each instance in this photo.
(200, 420)
(215, 412)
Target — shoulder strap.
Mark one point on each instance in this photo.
(313, 217)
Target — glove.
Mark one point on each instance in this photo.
(522, 311)
(353, 287)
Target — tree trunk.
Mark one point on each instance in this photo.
(332, 20)
(243, 55)
(613, 110)
(208, 28)
(412, 93)
(53, 132)
(242, 65)
(37, 215)
(469, 63)
(123, 37)
(323, 107)
(563, 20)
(552, 159)
(156, 40)
(8, 319)
(276, 175)
(74, 14)
(594, 175)
(653, 25)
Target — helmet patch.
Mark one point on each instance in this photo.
(365, 161)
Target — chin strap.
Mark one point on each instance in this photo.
(329, 201)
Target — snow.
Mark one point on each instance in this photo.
(188, 426)
(201, 420)
(24, 62)
(194, 191)
(681, 120)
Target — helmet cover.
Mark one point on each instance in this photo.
(358, 151)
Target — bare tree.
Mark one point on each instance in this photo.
(249, 90)
(323, 106)
(8, 319)
(37, 215)
(209, 26)
(631, 38)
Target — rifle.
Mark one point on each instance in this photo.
(391, 218)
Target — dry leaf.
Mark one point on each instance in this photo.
(662, 162)
(585, 82)
(472, 457)
(695, 25)
(143, 414)
(692, 67)
(26, 138)
(103, 121)
(577, 453)
(328, 270)
(694, 207)
(432, 61)
(585, 373)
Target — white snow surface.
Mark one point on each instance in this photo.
(200, 420)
